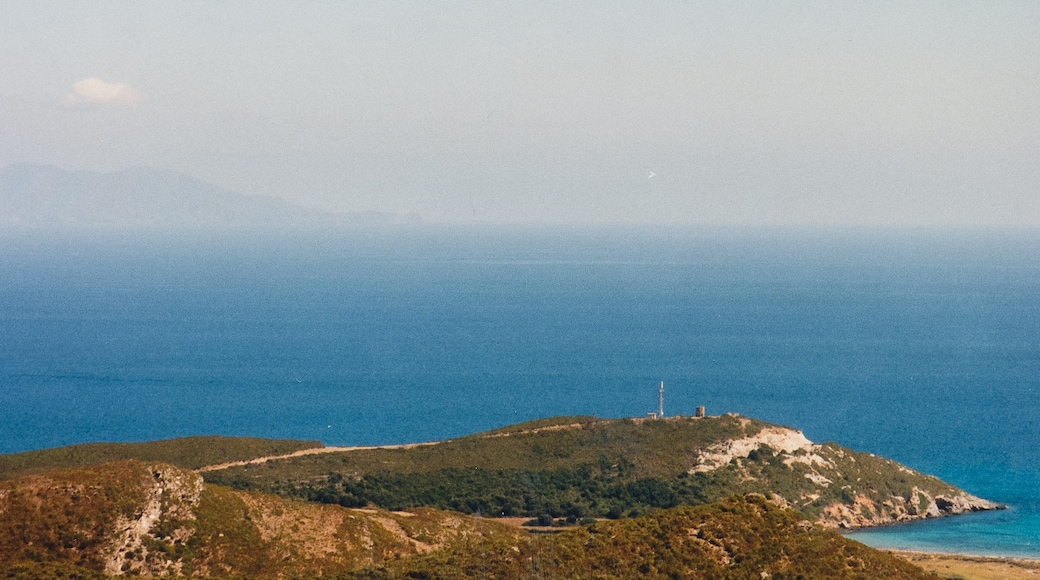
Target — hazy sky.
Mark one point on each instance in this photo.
(745, 112)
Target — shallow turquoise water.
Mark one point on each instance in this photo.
(920, 346)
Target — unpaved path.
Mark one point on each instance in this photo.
(321, 450)
(537, 430)
(313, 451)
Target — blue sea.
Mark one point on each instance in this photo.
(919, 345)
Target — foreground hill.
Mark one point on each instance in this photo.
(153, 519)
(578, 467)
(741, 537)
(156, 519)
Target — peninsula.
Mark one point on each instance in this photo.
(575, 467)
(697, 497)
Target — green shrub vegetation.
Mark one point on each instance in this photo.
(73, 523)
(67, 515)
(654, 449)
(68, 523)
(586, 467)
(660, 516)
(741, 537)
(186, 452)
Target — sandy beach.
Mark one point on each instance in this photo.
(968, 567)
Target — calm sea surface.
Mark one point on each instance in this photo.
(922, 346)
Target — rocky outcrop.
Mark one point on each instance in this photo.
(841, 488)
(170, 497)
(865, 512)
(776, 438)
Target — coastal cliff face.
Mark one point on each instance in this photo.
(865, 512)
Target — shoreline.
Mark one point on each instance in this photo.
(970, 566)
(961, 555)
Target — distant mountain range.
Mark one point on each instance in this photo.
(142, 197)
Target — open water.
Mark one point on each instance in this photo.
(922, 346)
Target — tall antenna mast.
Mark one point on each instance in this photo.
(660, 401)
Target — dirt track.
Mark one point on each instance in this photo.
(302, 452)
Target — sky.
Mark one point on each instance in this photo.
(704, 113)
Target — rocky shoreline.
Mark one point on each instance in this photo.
(897, 510)
(828, 466)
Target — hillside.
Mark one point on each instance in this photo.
(741, 537)
(186, 452)
(576, 467)
(138, 518)
(157, 519)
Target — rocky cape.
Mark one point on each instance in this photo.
(830, 465)
(712, 497)
(588, 467)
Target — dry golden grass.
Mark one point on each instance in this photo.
(954, 566)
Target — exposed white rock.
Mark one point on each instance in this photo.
(817, 479)
(964, 502)
(811, 458)
(777, 438)
(865, 512)
(172, 492)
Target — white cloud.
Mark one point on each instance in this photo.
(98, 92)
